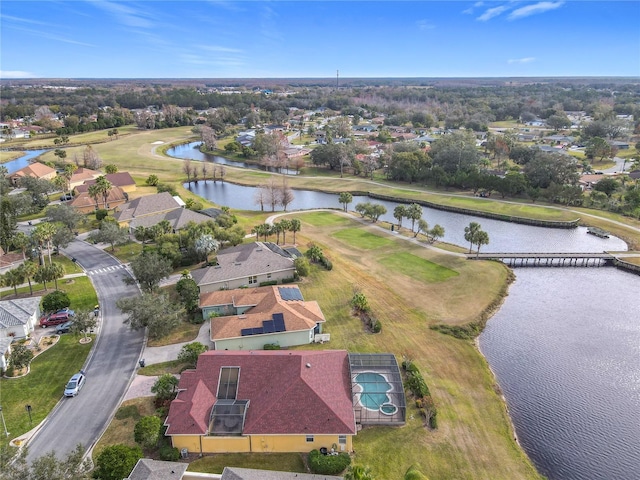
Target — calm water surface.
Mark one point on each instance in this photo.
(23, 161)
(504, 236)
(565, 347)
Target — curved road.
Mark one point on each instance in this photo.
(109, 368)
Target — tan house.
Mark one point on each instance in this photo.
(36, 170)
(84, 203)
(250, 318)
(81, 175)
(244, 265)
(122, 180)
(146, 206)
(264, 401)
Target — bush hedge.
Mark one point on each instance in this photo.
(169, 454)
(328, 464)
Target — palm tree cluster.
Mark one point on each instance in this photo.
(282, 227)
(475, 236)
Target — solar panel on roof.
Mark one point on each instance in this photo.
(268, 326)
(289, 294)
(258, 331)
(278, 321)
(246, 331)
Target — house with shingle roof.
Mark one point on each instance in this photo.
(244, 265)
(250, 318)
(18, 319)
(148, 469)
(122, 180)
(84, 203)
(81, 175)
(35, 169)
(264, 401)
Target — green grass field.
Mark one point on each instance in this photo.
(359, 238)
(286, 462)
(79, 289)
(43, 387)
(417, 268)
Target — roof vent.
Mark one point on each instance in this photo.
(242, 316)
(308, 365)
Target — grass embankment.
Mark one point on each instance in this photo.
(474, 438)
(6, 156)
(43, 387)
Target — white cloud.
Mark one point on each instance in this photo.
(492, 12)
(15, 74)
(521, 60)
(125, 15)
(540, 7)
(425, 25)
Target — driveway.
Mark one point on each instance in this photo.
(109, 368)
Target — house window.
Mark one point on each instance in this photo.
(342, 439)
(253, 280)
(268, 276)
(309, 438)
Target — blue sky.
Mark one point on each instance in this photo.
(257, 39)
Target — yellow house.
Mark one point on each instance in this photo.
(264, 401)
(36, 169)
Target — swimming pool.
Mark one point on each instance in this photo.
(373, 392)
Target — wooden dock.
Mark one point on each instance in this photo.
(548, 259)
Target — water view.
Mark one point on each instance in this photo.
(564, 346)
(22, 161)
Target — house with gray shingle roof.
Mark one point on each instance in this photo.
(150, 210)
(244, 265)
(17, 320)
(148, 469)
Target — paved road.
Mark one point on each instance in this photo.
(109, 368)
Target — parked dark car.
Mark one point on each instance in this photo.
(54, 319)
(64, 327)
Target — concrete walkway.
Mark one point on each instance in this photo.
(141, 384)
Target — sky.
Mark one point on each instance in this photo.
(315, 39)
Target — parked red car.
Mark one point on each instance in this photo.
(54, 319)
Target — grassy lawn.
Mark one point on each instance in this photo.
(286, 462)
(79, 289)
(120, 430)
(8, 156)
(474, 438)
(417, 268)
(185, 332)
(83, 138)
(172, 366)
(359, 238)
(127, 252)
(43, 387)
(324, 219)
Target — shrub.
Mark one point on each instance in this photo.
(101, 214)
(169, 454)
(163, 187)
(359, 302)
(417, 385)
(376, 326)
(115, 462)
(433, 420)
(190, 352)
(55, 301)
(302, 266)
(130, 411)
(266, 284)
(326, 263)
(271, 346)
(152, 180)
(328, 464)
(147, 431)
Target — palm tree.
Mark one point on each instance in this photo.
(399, 213)
(482, 238)
(286, 226)
(43, 233)
(55, 271)
(345, 199)
(104, 187)
(21, 241)
(29, 270)
(414, 213)
(42, 276)
(94, 192)
(294, 227)
(13, 278)
(470, 233)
